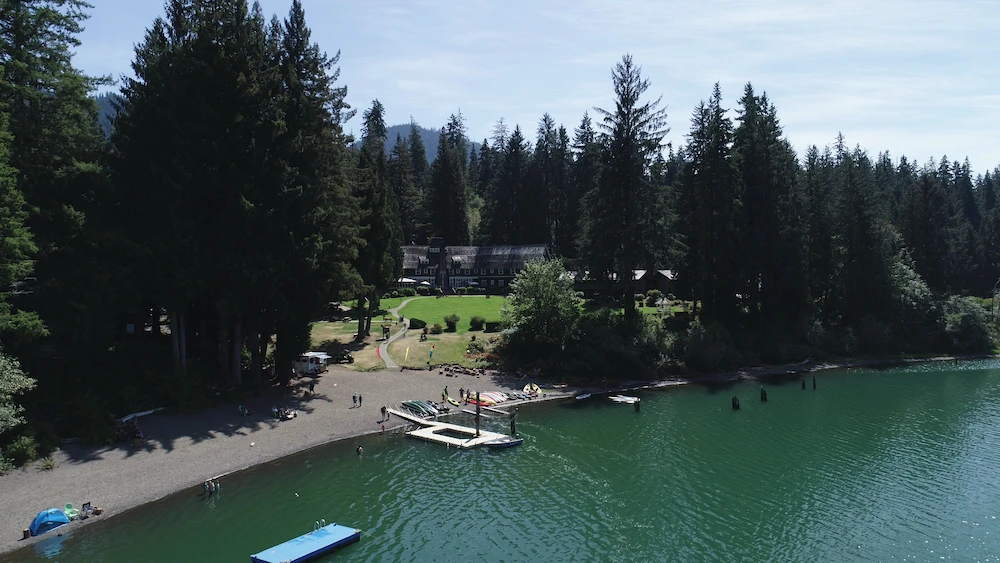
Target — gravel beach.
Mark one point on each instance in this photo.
(184, 450)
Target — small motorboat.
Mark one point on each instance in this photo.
(624, 399)
(505, 442)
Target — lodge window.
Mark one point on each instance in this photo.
(501, 283)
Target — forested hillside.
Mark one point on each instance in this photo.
(187, 252)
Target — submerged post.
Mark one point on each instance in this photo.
(477, 414)
(814, 383)
(636, 403)
(803, 384)
(763, 394)
(513, 423)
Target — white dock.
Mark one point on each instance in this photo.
(431, 431)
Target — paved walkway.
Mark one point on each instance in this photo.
(383, 349)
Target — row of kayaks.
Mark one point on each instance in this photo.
(425, 408)
(491, 398)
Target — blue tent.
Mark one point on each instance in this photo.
(47, 520)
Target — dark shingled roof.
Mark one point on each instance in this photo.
(501, 256)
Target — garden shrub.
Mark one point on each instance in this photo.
(476, 347)
(22, 451)
(653, 297)
(417, 324)
(424, 291)
(436, 328)
(477, 322)
(492, 326)
(462, 291)
(407, 292)
(452, 322)
(638, 297)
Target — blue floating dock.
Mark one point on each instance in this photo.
(309, 546)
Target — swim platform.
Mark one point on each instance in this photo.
(309, 546)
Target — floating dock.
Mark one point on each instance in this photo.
(432, 431)
(309, 546)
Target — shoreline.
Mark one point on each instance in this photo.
(182, 451)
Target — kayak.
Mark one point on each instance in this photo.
(506, 442)
(454, 402)
(584, 396)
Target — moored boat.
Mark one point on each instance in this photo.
(506, 442)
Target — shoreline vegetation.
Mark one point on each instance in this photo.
(182, 450)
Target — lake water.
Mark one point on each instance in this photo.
(891, 465)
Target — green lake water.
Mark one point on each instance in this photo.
(891, 465)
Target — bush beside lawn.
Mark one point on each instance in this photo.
(433, 310)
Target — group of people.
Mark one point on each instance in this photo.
(357, 399)
(211, 487)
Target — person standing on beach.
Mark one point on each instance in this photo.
(359, 399)
(383, 412)
(354, 399)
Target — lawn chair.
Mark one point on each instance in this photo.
(71, 512)
(86, 510)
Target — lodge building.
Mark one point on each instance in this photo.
(449, 267)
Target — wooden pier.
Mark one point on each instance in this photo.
(435, 431)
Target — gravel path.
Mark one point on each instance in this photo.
(383, 349)
(183, 450)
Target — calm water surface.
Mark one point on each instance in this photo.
(893, 465)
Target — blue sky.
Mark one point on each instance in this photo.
(915, 77)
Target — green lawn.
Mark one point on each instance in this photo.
(433, 310)
(449, 348)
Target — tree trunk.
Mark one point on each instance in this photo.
(182, 321)
(371, 310)
(223, 356)
(237, 353)
(256, 356)
(362, 317)
(175, 342)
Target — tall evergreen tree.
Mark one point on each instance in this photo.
(708, 208)
(55, 149)
(507, 194)
(587, 150)
(16, 252)
(380, 261)
(400, 171)
(635, 131)
(447, 195)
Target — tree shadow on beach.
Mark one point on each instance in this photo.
(164, 431)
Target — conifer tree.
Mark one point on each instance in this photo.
(55, 149)
(400, 171)
(380, 261)
(635, 131)
(504, 206)
(16, 252)
(447, 195)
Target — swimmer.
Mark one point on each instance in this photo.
(360, 450)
